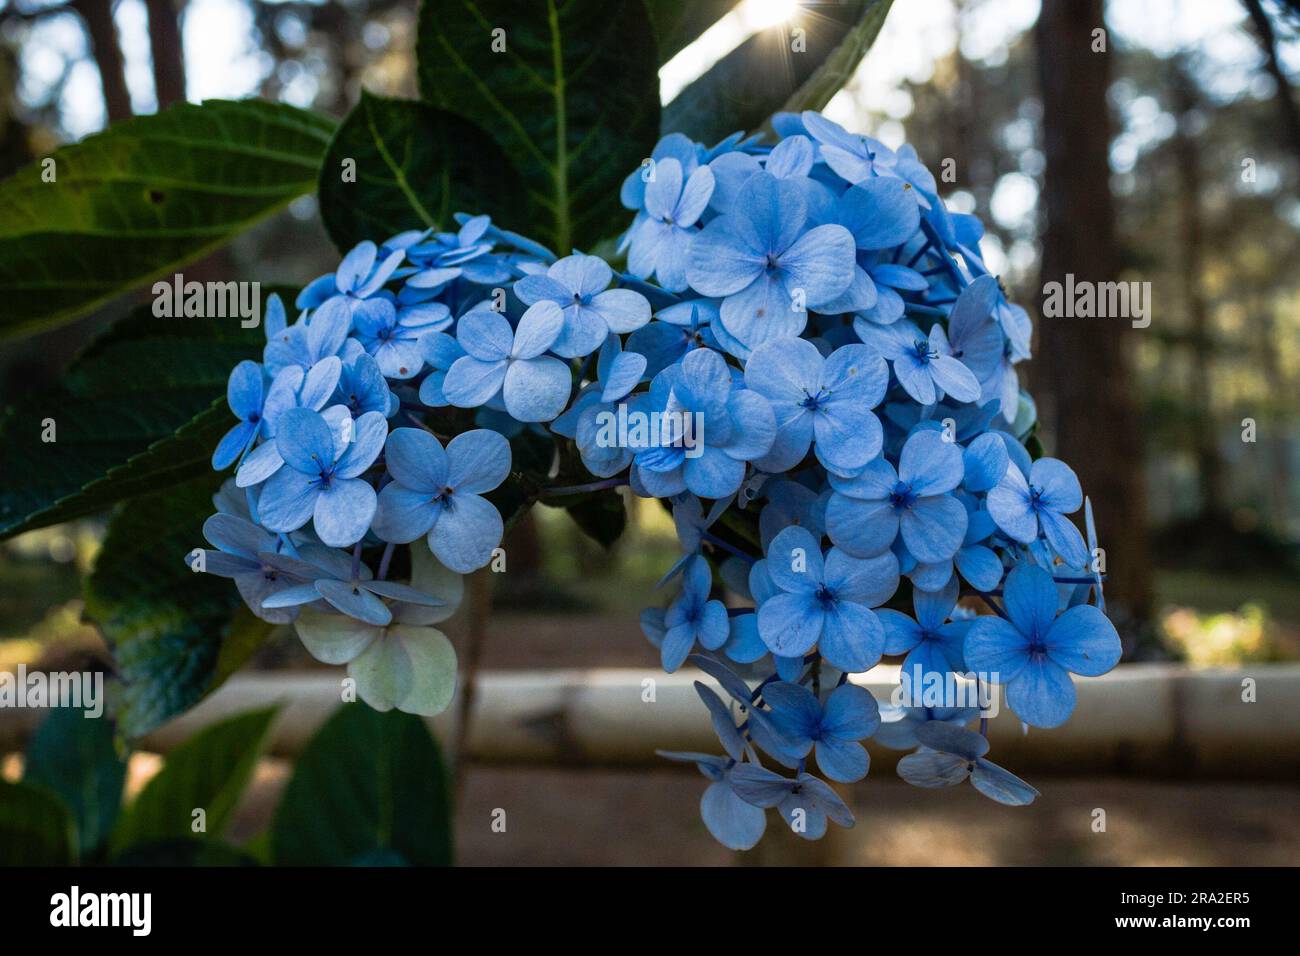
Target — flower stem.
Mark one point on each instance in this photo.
(565, 490)
(385, 560)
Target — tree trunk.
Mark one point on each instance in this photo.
(101, 33)
(1205, 439)
(1081, 365)
(1287, 111)
(168, 54)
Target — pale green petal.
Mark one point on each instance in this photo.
(433, 669)
(383, 673)
(334, 638)
(410, 668)
(430, 576)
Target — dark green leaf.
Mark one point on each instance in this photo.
(573, 100)
(170, 629)
(74, 756)
(602, 517)
(680, 22)
(36, 829)
(141, 408)
(208, 772)
(144, 197)
(415, 166)
(369, 789)
(763, 76)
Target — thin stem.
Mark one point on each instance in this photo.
(996, 610)
(729, 548)
(944, 259)
(564, 490)
(356, 561)
(385, 560)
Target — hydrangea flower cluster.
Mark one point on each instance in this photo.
(806, 360)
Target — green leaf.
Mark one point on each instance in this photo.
(208, 772)
(74, 756)
(838, 66)
(368, 789)
(573, 100)
(415, 166)
(761, 76)
(144, 197)
(170, 630)
(602, 517)
(678, 23)
(36, 829)
(141, 408)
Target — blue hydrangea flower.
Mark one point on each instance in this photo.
(790, 503)
(391, 335)
(804, 802)
(932, 643)
(731, 427)
(347, 290)
(978, 563)
(446, 256)
(849, 715)
(242, 554)
(291, 388)
(1026, 509)
(579, 285)
(879, 214)
(438, 492)
(1033, 651)
(891, 281)
(330, 576)
(322, 482)
(853, 157)
(734, 823)
(769, 267)
(440, 352)
(973, 334)
(362, 388)
(245, 394)
(692, 617)
(825, 602)
(675, 146)
(309, 340)
(869, 510)
(923, 364)
(898, 725)
(825, 402)
(534, 386)
(658, 243)
(951, 754)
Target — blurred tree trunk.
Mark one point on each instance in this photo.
(168, 53)
(1268, 43)
(1200, 338)
(1081, 365)
(97, 15)
(1209, 462)
(1269, 331)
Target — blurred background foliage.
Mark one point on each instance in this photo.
(1176, 155)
